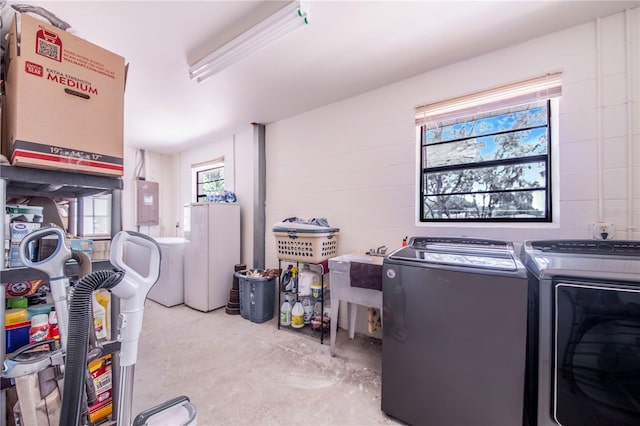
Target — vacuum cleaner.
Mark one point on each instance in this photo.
(131, 287)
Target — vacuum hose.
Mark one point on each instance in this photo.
(78, 340)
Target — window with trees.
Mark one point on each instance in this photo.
(489, 164)
(209, 180)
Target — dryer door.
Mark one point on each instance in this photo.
(596, 354)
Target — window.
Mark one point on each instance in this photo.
(489, 164)
(96, 215)
(208, 179)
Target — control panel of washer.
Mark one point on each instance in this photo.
(425, 242)
(623, 248)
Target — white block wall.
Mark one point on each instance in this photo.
(355, 161)
(160, 168)
(237, 151)
(173, 174)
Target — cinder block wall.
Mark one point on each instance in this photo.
(355, 161)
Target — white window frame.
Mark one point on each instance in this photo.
(546, 87)
(197, 168)
(86, 216)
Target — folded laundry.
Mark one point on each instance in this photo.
(366, 275)
(318, 221)
(222, 196)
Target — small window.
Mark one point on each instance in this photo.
(209, 180)
(96, 216)
(491, 165)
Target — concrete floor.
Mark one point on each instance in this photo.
(240, 373)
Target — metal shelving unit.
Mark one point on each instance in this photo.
(22, 181)
(307, 329)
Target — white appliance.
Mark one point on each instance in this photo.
(169, 290)
(212, 249)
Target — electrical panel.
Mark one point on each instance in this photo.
(147, 203)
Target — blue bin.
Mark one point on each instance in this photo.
(16, 336)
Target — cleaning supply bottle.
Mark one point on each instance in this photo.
(99, 318)
(39, 330)
(54, 331)
(285, 312)
(285, 279)
(297, 315)
(104, 299)
(308, 280)
(308, 310)
(294, 279)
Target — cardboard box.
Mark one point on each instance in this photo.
(18, 230)
(101, 250)
(100, 370)
(14, 255)
(64, 106)
(83, 245)
(21, 213)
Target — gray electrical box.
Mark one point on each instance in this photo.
(147, 203)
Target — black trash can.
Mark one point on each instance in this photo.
(257, 297)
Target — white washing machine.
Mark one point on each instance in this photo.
(169, 290)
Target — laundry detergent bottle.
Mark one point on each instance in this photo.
(297, 315)
(99, 318)
(308, 310)
(103, 297)
(308, 280)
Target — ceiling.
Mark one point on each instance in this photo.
(348, 48)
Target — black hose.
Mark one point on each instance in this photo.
(77, 341)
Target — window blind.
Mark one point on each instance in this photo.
(533, 90)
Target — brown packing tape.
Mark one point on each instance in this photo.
(61, 153)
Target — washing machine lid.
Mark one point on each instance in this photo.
(457, 251)
(556, 256)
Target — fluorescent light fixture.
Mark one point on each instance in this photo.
(281, 23)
